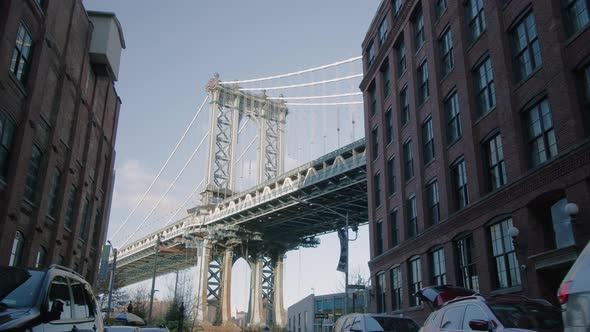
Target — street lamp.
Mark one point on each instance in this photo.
(513, 233)
(111, 282)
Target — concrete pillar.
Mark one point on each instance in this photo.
(278, 305)
(225, 301)
(256, 316)
(203, 282)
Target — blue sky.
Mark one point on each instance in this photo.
(174, 48)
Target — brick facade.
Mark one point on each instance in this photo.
(70, 114)
(529, 192)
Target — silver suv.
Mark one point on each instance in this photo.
(574, 294)
(56, 299)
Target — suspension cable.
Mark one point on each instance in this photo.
(325, 104)
(247, 148)
(317, 97)
(303, 84)
(184, 203)
(293, 73)
(167, 190)
(163, 167)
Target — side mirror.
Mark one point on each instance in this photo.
(55, 312)
(480, 325)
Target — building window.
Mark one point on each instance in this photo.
(412, 215)
(446, 52)
(381, 292)
(383, 31)
(373, 100)
(370, 55)
(454, 131)
(375, 139)
(439, 7)
(415, 279)
(404, 106)
(386, 81)
(494, 161)
(394, 228)
(459, 178)
(41, 256)
(396, 6)
(53, 191)
(16, 254)
(418, 24)
(586, 84)
(467, 266)
(379, 238)
(377, 190)
(6, 134)
(389, 125)
(484, 85)
(85, 220)
(96, 229)
(69, 216)
(21, 55)
(400, 49)
(507, 273)
(433, 202)
(396, 288)
(423, 92)
(562, 225)
(475, 18)
(541, 136)
(408, 161)
(33, 174)
(391, 176)
(576, 15)
(438, 268)
(427, 141)
(526, 48)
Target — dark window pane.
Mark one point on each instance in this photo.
(476, 21)
(433, 203)
(423, 92)
(484, 84)
(541, 137)
(506, 263)
(32, 174)
(404, 106)
(526, 49)
(494, 160)
(427, 141)
(6, 134)
(16, 252)
(446, 53)
(394, 228)
(453, 121)
(21, 55)
(466, 263)
(396, 288)
(415, 280)
(576, 15)
(438, 267)
(412, 216)
(408, 161)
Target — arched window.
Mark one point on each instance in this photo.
(562, 225)
(17, 249)
(41, 256)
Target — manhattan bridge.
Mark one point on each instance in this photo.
(283, 211)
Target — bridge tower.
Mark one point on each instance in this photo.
(229, 108)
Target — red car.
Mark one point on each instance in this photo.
(458, 309)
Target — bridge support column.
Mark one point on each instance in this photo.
(225, 301)
(256, 318)
(278, 305)
(202, 310)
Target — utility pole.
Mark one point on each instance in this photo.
(154, 279)
(346, 270)
(111, 282)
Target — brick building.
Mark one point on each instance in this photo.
(58, 120)
(477, 121)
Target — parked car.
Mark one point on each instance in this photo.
(489, 313)
(56, 299)
(122, 329)
(574, 294)
(374, 323)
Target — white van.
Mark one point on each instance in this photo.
(375, 323)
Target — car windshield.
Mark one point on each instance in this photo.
(392, 324)
(19, 287)
(528, 316)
